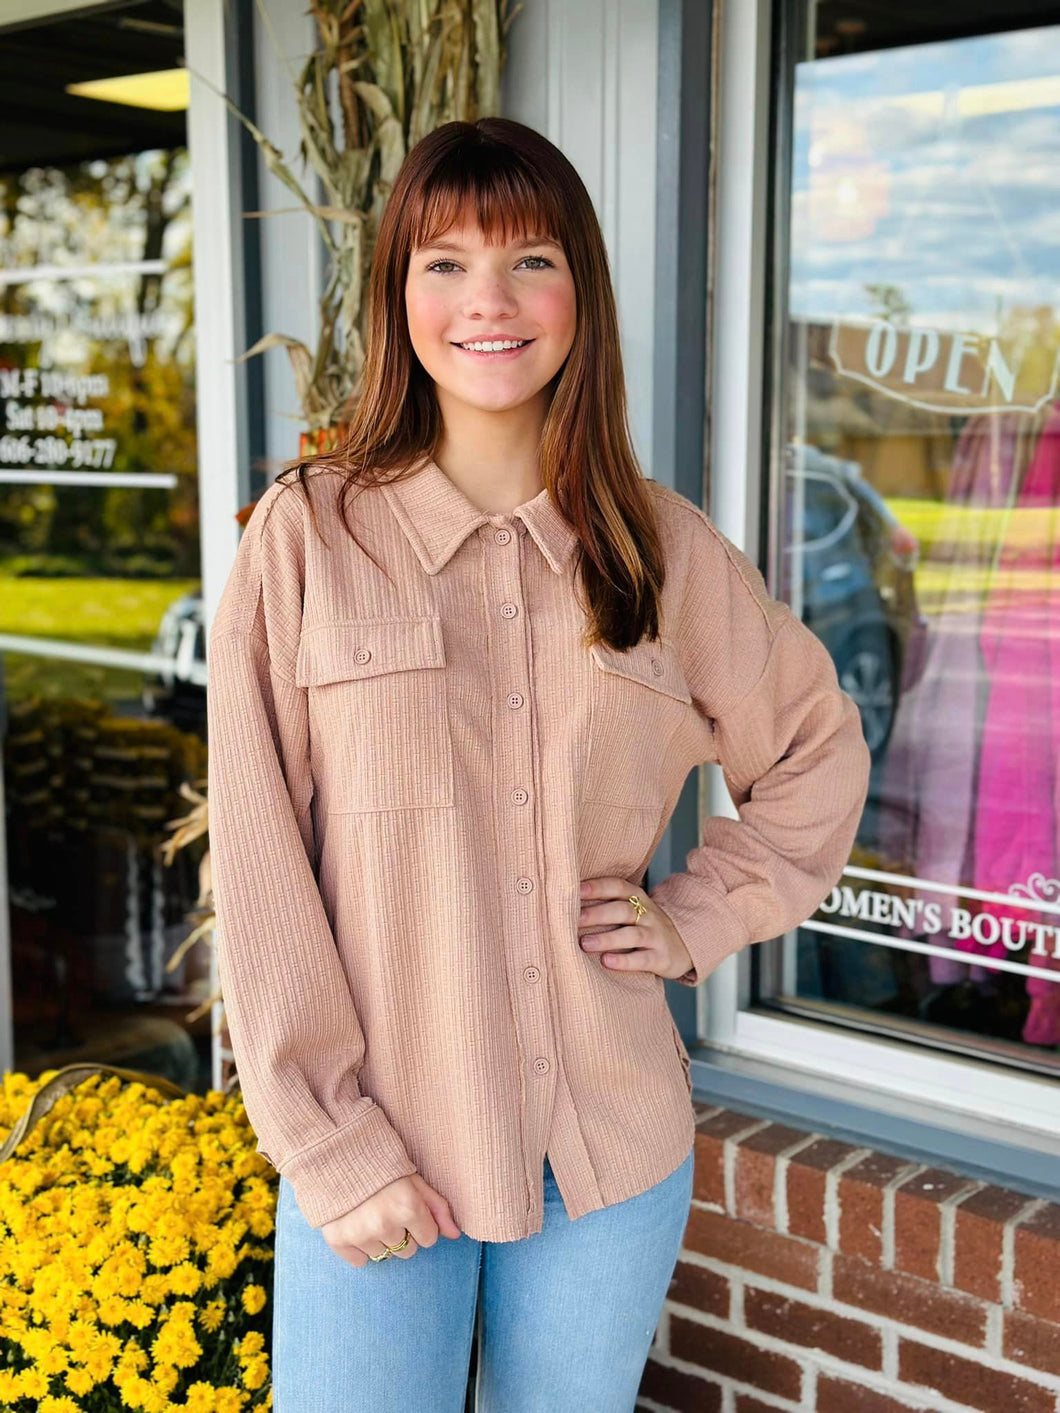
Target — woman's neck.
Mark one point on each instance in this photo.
(493, 457)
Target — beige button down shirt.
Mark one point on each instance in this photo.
(410, 775)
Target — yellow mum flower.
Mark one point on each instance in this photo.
(155, 1288)
(256, 1371)
(185, 1279)
(82, 1381)
(230, 1400)
(166, 1377)
(31, 1383)
(53, 1361)
(254, 1298)
(176, 1344)
(211, 1314)
(222, 1260)
(10, 1388)
(169, 1249)
(201, 1399)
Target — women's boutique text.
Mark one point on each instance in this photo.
(948, 919)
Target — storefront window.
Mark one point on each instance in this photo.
(915, 511)
(102, 667)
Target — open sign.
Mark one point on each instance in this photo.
(943, 371)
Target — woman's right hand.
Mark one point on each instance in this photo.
(380, 1220)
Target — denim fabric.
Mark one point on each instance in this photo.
(565, 1317)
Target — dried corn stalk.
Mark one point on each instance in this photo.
(385, 73)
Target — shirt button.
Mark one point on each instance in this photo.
(362, 655)
(515, 699)
(656, 667)
(508, 610)
(520, 796)
(541, 1065)
(502, 536)
(530, 973)
(525, 885)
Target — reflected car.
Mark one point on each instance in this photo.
(177, 691)
(856, 566)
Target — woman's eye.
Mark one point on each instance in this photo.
(544, 261)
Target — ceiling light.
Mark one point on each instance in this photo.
(166, 90)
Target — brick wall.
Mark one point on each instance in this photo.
(816, 1275)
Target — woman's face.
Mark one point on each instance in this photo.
(463, 290)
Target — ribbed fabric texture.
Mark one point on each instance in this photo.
(410, 773)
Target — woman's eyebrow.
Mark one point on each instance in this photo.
(516, 244)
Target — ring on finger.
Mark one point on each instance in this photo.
(389, 1251)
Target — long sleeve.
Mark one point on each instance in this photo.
(295, 1033)
(793, 755)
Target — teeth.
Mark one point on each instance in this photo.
(496, 346)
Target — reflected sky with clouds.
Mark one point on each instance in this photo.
(933, 168)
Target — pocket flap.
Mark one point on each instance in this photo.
(654, 665)
(365, 647)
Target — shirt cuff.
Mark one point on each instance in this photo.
(339, 1172)
(708, 925)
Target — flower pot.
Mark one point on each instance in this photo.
(313, 443)
(323, 439)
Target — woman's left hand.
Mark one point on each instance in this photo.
(653, 944)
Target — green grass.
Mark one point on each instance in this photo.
(115, 613)
(935, 523)
(958, 550)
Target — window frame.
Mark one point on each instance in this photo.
(918, 1100)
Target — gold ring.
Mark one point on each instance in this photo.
(385, 1255)
(641, 909)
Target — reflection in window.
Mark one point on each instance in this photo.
(102, 672)
(918, 523)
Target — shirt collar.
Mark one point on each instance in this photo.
(437, 517)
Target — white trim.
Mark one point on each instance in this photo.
(217, 266)
(99, 269)
(27, 476)
(737, 356)
(970, 1094)
(292, 250)
(185, 667)
(977, 1090)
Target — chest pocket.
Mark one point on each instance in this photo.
(378, 713)
(639, 699)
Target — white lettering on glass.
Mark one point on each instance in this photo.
(961, 371)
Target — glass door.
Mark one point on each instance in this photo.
(915, 507)
(102, 678)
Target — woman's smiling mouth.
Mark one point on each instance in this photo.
(494, 348)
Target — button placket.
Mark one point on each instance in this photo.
(523, 918)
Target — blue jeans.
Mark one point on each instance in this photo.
(566, 1317)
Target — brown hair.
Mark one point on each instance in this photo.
(516, 183)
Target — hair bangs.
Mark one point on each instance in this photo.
(502, 198)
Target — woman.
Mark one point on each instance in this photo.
(458, 677)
